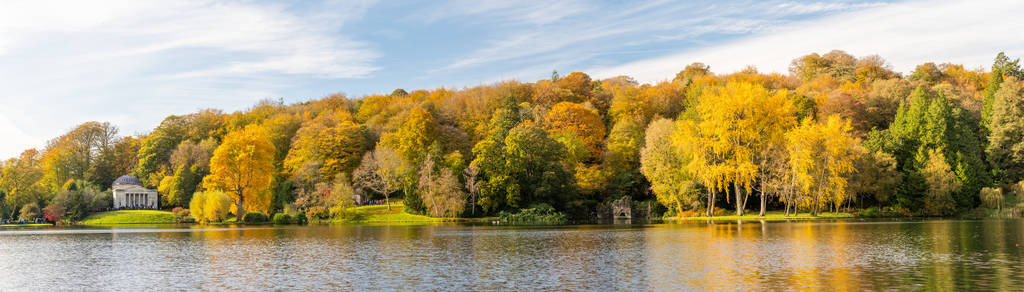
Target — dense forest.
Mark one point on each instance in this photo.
(838, 132)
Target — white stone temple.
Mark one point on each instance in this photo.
(130, 194)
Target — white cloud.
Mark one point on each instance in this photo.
(134, 62)
(905, 34)
(532, 12)
(591, 30)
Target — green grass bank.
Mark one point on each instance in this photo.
(130, 217)
(396, 216)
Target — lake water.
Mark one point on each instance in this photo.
(850, 255)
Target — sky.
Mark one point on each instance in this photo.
(132, 63)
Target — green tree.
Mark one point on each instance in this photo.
(1002, 67)
(622, 159)
(79, 199)
(532, 159)
(155, 149)
(929, 122)
(190, 162)
(877, 177)
(1006, 131)
(490, 157)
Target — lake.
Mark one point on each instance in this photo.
(850, 255)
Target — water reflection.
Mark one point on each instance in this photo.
(932, 255)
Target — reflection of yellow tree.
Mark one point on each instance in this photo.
(802, 256)
(839, 258)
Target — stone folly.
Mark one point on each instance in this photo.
(130, 194)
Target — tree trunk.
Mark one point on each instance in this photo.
(240, 208)
(739, 198)
(711, 203)
(817, 204)
(764, 204)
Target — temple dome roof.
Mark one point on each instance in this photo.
(127, 180)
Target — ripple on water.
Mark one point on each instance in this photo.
(749, 256)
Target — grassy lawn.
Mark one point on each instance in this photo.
(130, 217)
(381, 215)
(397, 215)
(769, 216)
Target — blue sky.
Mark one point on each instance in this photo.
(132, 63)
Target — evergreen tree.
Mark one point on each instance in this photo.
(1006, 136)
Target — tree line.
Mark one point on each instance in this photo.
(837, 132)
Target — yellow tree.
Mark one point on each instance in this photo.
(21, 181)
(243, 167)
(414, 137)
(665, 167)
(842, 149)
(209, 206)
(706, 164)
(822, 157)
(738, 124)
(942, 183)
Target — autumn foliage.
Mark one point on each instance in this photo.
(837, 133)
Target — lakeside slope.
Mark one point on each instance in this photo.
(130, 217)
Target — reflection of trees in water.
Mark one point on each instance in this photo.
(930, 255)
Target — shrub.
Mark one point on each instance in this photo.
(690, 213)
(872, 212)
(54, 212)
(282, 218)
(210, 206)
(254, 217)
(992, 198)
(341, 212)
(318, 213)
(182, 215)
(300, 218)
(29, 211)
(537, 214)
